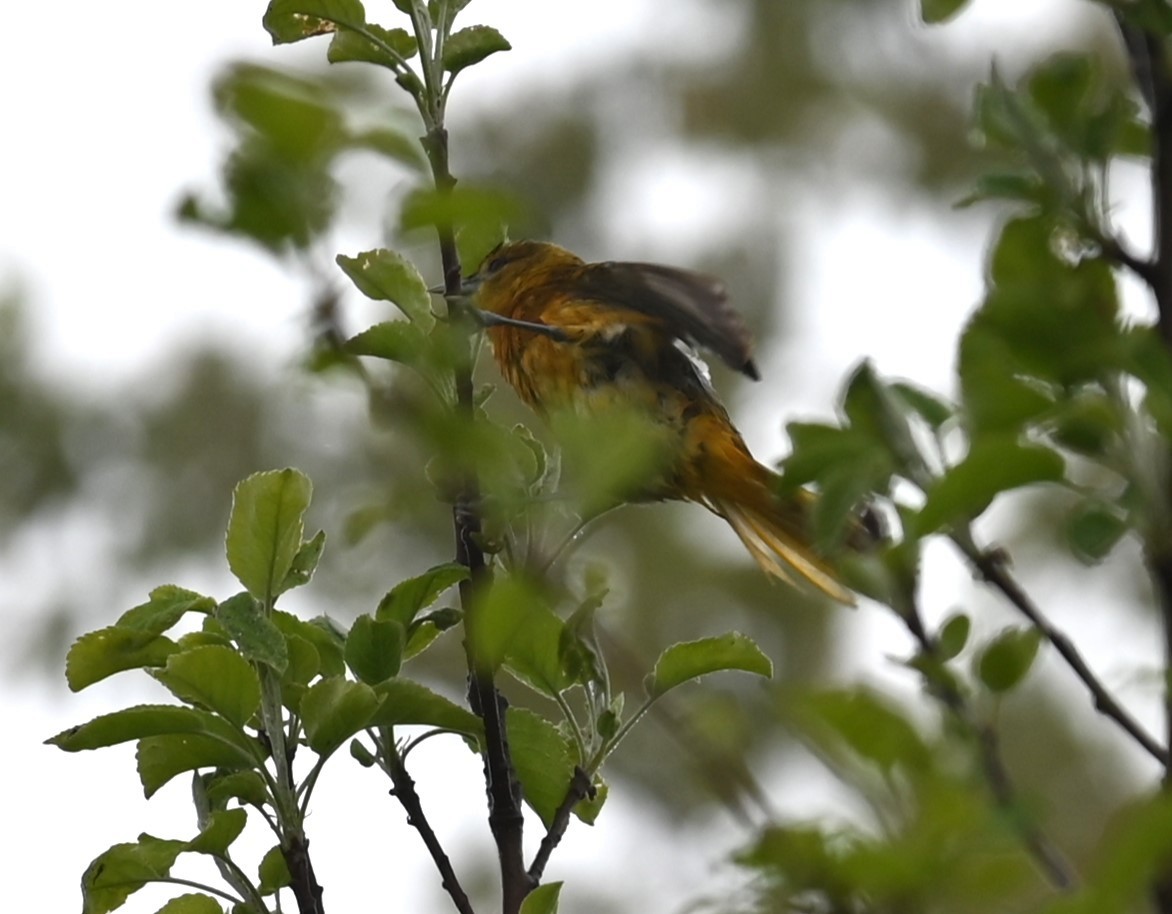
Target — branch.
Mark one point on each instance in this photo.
(404, 791)
(306, 888)
(990, 564)
(1049, 858)
(505, 817)
(580, 788)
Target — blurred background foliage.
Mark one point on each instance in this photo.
(801, 101)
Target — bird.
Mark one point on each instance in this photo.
(593, 337)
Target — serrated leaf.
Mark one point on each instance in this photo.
(222, 829)
(335, 709)
(327, 640)
(934, 12)
(215, 678)
(265, 529)
(544, 760)
(994, 464)
(402, 701)
(692, 659)
(255, 634)
(150, 720)
(395, 341)
(390, 47)
(954, 635)
(122, 870)
(471, 45)
(543, 899)
(273, 871)
(404, 601)
(374, 648)
(191, 904)
(389, 276)
(305, 562)
(293, 20)
(933, 409)
(474, 211)
(161, 758)
(166, 606)
(96, 655)
(1005, 661)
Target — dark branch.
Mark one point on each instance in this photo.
(304, 884)
(404, 791)
(580, 788)
(504, 798)
(991, 567)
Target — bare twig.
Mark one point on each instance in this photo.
(1046, 854)
(404, 791)
(580, 788)
(991, 566)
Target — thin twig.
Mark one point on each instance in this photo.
(404, 791)
(991, 566)
(1046, 854)
(579, 789)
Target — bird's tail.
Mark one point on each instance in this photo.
(774, 528)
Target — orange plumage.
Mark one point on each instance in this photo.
(571, 334)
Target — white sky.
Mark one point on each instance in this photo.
(108, 120)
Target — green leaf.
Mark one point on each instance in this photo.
(1095, 528)
(349, 45)
(1005, 660)
(870, 726)
(246, 786)
(389, 276)
(543, 899)
(151, 720)
(934, 12)
(1023, 187)
(933, 409)
(374, 648)
(395, 143)
(215, 678)
(408, 597)
(167, 605)
(96, 655)
(334, 710)
(402, 701)
(124, 869)
(471, 45)
(293, 20)
(478, 210)
(954, 635)
(222, 829)
(161, 758)
(265, 529)
(273, 871)
(255, 634)
(305, 562)
(544, 760)
(191, 904)
(327, 640)
(692, 659)
(395, 341)
(994, 464)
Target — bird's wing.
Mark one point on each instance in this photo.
(691, 306)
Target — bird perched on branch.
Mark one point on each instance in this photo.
(589, 337)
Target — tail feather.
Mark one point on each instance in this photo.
(778, 552)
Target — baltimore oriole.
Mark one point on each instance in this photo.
(584, 336)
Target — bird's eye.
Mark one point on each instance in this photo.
(496, 263)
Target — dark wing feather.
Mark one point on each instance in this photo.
(694, 307)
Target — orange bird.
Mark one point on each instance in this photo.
(577, 335)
